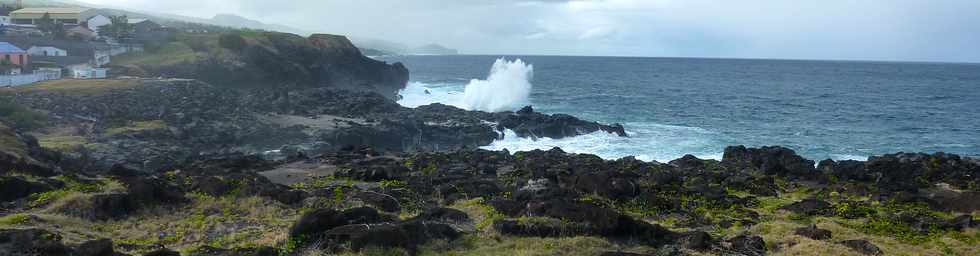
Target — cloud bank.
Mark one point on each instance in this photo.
(905, 30)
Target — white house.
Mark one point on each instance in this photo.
(88, 72)
(97, 21)
(46, 51)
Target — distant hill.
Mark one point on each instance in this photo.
(434, 49)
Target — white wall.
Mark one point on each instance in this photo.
(97, 21)
(46, 51)
(16, 80)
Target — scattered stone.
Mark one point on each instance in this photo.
(31, 242)
(101, 247)
(748, 245)
(383, 202)
(863, 246)
(13, 188)
(162, 252)
(809, 207)
(696, 240)
(813, 232)
(322, 220)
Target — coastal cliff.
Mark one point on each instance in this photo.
(275, 144)
(269, 60)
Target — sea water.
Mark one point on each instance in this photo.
(676, 106)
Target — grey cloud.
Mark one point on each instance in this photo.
(942, 30)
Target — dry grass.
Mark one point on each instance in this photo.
(225, 222)
(80, 87)
(62, 143)
(138, 126)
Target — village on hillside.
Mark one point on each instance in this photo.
(50, 43)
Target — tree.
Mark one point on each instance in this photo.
(50, 26)
(119, 28)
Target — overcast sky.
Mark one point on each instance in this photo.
(911, 30)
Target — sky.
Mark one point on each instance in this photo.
(892, 30)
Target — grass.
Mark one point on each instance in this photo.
(138, 126)
(14, 220)
(80, 87)
(62, 143)
(169, 54)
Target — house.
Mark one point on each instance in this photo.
(78, 67)
(12, 55)
(81, 33)
(98, 21)
(63, 54)
(148, 31)
(65, 15)
(38, 50)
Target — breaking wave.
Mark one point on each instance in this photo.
(507, 88)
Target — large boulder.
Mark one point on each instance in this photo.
(32, 242)
(13, 188)
(813, 232)
(809, 207)
(769, 160)
(321, 220)
(910, 172)
(863, 247)
(748, 245)
(527, 123)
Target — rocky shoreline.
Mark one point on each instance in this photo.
(192, 167)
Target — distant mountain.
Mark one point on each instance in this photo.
(435, 49)
(235, 21)
(380, 45)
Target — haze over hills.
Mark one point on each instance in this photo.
(372, 46)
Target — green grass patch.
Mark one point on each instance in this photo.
(73, 87)
(15, 219)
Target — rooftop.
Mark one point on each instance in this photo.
(6, 47)
(51, 10)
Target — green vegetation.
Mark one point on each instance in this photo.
(15, 219)
(72, 186)
(19, 116)
(168, 54)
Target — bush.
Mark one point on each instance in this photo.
(232, 41)
(20, 117)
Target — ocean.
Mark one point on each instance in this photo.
(675, 106)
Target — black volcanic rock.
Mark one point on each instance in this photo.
(813, 232)
(13, 188)
(863, 247)
(809, 207)
(527, 123)
(769, 160)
